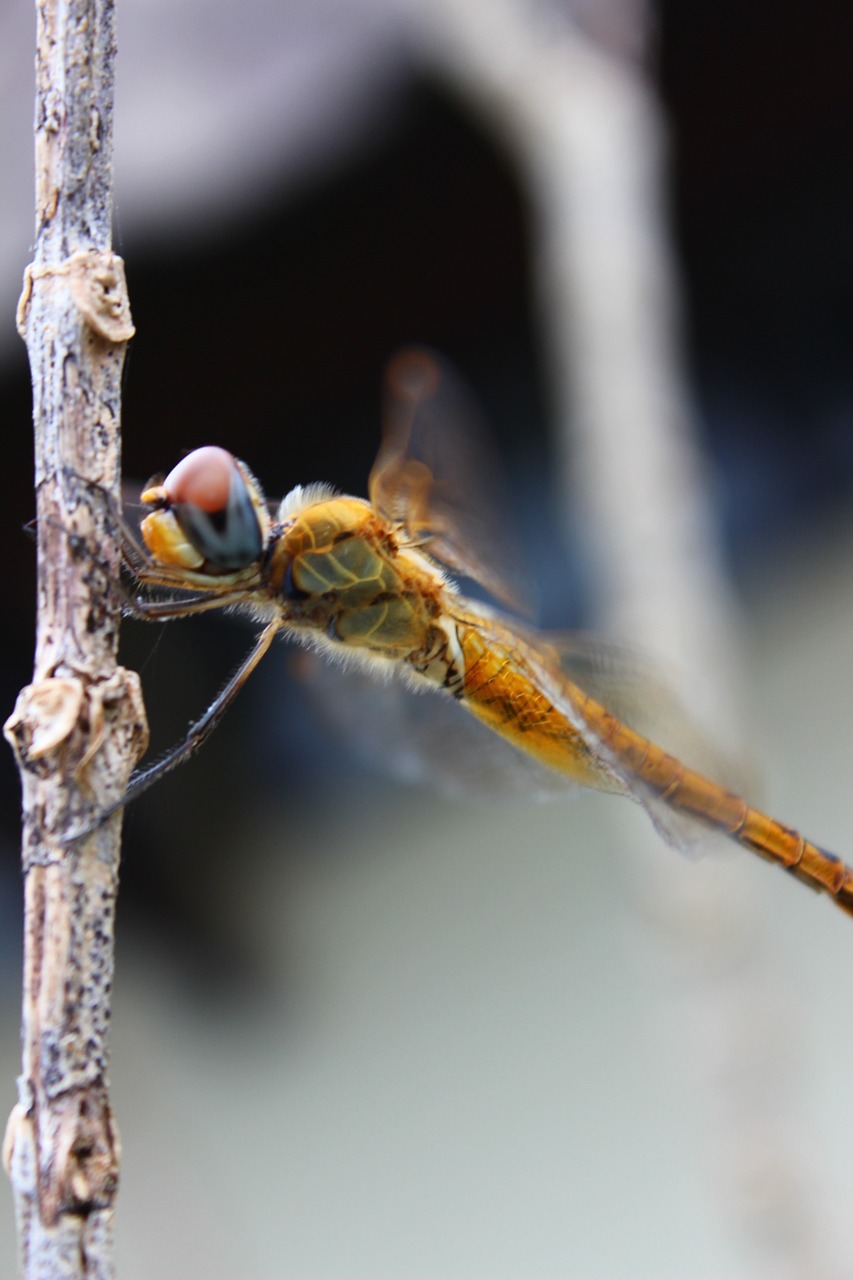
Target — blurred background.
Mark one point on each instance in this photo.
(363, 1029)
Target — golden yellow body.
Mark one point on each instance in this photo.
(337, 572)
(366, 580)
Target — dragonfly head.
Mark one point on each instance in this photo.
(207, 515)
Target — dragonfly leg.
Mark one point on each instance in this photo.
(163, 610)
(196, 735)
(136, 562)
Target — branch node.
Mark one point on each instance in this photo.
(44, 716)
(48, 711)
(98, 290)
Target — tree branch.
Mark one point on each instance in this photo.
(78, 729)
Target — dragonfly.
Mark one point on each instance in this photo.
(373, 582)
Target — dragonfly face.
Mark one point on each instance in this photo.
(208, 515)
(366, 578)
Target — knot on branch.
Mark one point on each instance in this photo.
(85, 1174)
(48, 712)
(44, 717)
(98, 290)
(92, 732)
(80, 1172)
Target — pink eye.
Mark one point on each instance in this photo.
(208, 494)
(203, 479)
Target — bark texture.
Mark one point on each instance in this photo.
(78, 729)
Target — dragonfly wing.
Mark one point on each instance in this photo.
(634, 687)
(634, 691)
(631, 689)
(420, 737)
(427, 737)
(435, 479)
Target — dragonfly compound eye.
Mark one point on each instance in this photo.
(210, 499)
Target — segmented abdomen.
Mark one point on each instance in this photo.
(578, 737)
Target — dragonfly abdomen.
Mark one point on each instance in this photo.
(816, 867)
(687, 791)
(501, 689)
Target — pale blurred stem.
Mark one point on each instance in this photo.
(79, 727)
(588, 136)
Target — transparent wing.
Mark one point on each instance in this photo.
(435, 476)
(421, 738)
(631, 685)
(632, 689)
(428, 738)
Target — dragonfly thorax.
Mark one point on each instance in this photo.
(341, 572)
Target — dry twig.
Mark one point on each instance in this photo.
(79, 727)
